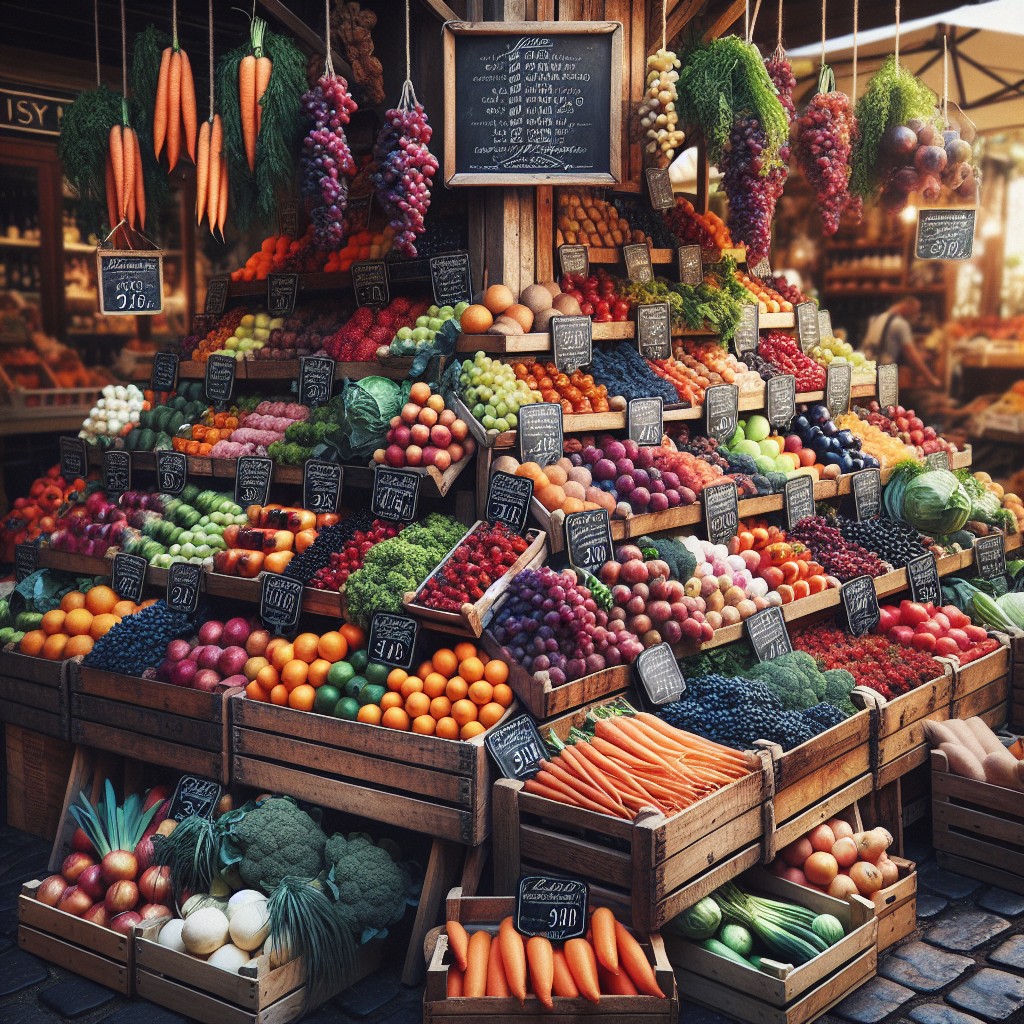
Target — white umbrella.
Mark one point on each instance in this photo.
(986, 59)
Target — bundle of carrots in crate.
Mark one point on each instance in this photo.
(629, 760)
(609, 961)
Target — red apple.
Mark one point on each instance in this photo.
(155, 884)
(150, 911)
(125, 923)
(74, 864)
(51, 889)
(74, 901)
(91, 882)
(119, 865)
(81, 842)
(121, 896)
(97, 914)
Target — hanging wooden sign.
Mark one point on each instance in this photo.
(130, 283)
(945, 233)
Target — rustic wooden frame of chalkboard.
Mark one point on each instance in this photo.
(102, 254)
(454, 29)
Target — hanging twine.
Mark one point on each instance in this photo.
(210, 6)
(328, 58)
(823, 6)
(778, 40)
(753, 20)
(945, 80)
(96, 29)
(856, 13)
(408, 55)
(124, 53)
(896, 49)
(746, 21)
(664, 27)
(174, 24)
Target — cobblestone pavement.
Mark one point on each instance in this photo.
(963, 965)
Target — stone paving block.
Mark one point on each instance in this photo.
(994, 995)
(694, 1014)
(946, 883)
(1002, 901)
(1010, 953)
(930, 906)
(19, 970)
(75, 997)
(922, 967)
(138, 1011)
(940, 1013)
(370, 994)
(964, 928)
(873, 1002)
(26, 1011)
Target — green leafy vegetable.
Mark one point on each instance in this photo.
(936, 503)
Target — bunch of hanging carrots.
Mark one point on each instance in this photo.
(609, 961)
(212, 176)
(126, 192)
(253, 79)
(635, 761)
(174, 112)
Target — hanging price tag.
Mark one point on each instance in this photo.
(747, 330)
(282, 291)
(451, 278)
(762, 269)
(721, 511)
(280, 601)
(194, 797)
(798, 498)
(220, 379)
(117, 472)
(888, 375)
(539, 433)
(937, 460)
(574, 259)
(945, 233)
(26, 561)
(654, 330)
(370, 283)
(316, 380)
(553, 907)
(721, 411)
(990, 556)
(638, 263)
(508, 500)
(780, 397)
(392, 639)
(288, 218)
(923, 577)
(321, 486)
(253, 474)
(516, 746)
(184, 580)
(661, 680)
(866, 486)
(572, 342)
(396, 493)
(165, 372)
(659, 188)
(689, 265)
(74, 459)
(171, 471)
(216, 295)
(838, 378)
(645, 420)
(807, 325)
(767, 633)
(588, 539)
(128, 576)
(860, 605)
(825, 324)
(130, 283)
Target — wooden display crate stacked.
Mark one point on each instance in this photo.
(34, 692)
(1017, 679)
(982, 687)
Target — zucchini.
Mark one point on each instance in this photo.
(722, 950)
(737, 938)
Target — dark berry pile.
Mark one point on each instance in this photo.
(329, 541)
(139, 641)
(760, 365)
(341, 564)
(893, 542)
(839, 557)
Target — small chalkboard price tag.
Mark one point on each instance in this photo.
(645, 420)
(396, 493)
(659, 188)
(370, 283)
(216, 295)
(316, 380)
(451, 278)
(888, 385)
(288, 218)
(508, 500)
(721, 511)
(194, 797)
(282, 291)
(767, 633)
(937, 460)
(516, 746)
(746, 337)
(807, 325)
(572, 342)
(762, 269)
(825, 324)
(638, 262)
(553, 907)
(923, 577)
(866, 485)
(184, 580)
(392, 639)
(165, 372)
(539, 433)
(74, 459)
(990, 556)
(220, 379)
(357, 213)
(171, 471)
(131, 283)
(661, 680)
(280, 601)
(860, 605)
(721, 411)
(654, 330)
(574, 259)
(26, 561)
(945, 233)
(128, 576)
(321, 486)
(253, 474)
(588, 539)
(838, 378)
(780, 398)
(798, 498)
(117, 471)
(689, 265)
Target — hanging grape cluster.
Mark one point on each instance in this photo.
(780, 71)
(658, 114)
(326, 159)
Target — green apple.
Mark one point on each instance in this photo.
(738, 435)
(446, 312)
(420, 333)
(248, 320)
(404, 333)
(433, 310)
(758, 428)
(435, 323)
(423, 321)
(747, 448)
(232, 343)
(769, 448)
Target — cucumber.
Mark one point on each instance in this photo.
(721, 949)
(737, 938)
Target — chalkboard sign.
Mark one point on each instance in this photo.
(721, 410)
(508, 500)
(165, 372)
(288, 218)
(117, 472)
(184, 580)
(282, 291)
(316, 380)
(945, 233)
(532, 103)
(220, 379)
(638, 262)
(860, 605)
(645, 420)
(923, 577)
(990, 556)
(321, 486)
(171, 471)
(392, 639)
(74, 459)
(838, 378)
(747, 330)
(540, 433)
(253, 474)
(216, 295)
(807, 325)
(654, 330)
(553, 907)
(866, 485)
(659, 188)
(888, 377)
(937, 460)
(128, 576)
(572, 342)
(194, 797)
(370, 283)
(780, 398)
(825, 324)
(762, 269)
(396, 493)
(357, 213)
(690, 265)
(721, 511)
(661, 680)
(26, 561)
(280, 601)
(516, 747)
(131, 283)
(767, 633)
(574, 259)
(588, 539)
(798, 499)
(451, 278)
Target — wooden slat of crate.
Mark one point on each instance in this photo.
(34, 693)
(897, 924)
(815, 815)
(988, 702)
(37, 776)
(976, 674)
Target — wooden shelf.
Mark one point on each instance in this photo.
(396, 368)
(608, 256)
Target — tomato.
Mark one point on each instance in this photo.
(946, 647)
(912, 612)
(924, 642)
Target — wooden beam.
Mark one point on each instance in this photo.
(441, 9)
(680, 13)
(305, 34)
(725, 20)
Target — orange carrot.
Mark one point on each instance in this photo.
(475, 982)
(140, 186)
(602, 921)
(634, 960)
(189, 115)
(111, 195)
(497, 983)
(213, 177)
(598, 796)
(128, 201)
(160, 107)
(579, 954)
(656, 725)
(174, 111)
(117, 162)
(513, 958)
(202, 170)
(458, 942)
(615, 984)
(264, 66)
(563, 984)
(247, 106)
(542, 968)
(222, 198)
(454, 989)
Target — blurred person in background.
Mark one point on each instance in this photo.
(890, 339)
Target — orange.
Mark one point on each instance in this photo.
(440, 707)
(395, 718)
(481, 693)
(32, 643)
(469, 730)
(54, 646)
(78, 622)
(424, 725)
(465, 650)
(447, 728)
(123, 608)
(396, 677)
(417, 704)
(503, 695)
(101, 599)
(496, 671)
(434, 684)
(522, 315)
(78, 645)
(75, 599)
(267, 677)
(476, 319)
(279, 695)
(318, 672)
(370, 714)
(445, 662)
(498, 298)
(489, 714)
(53, 622)
(464, 711)
(472, 670)
(256, 692)
(275, 645)
(413, 684)
(282, 655)
(103, 624)
(456, 689)
(425, 669)
(302, 697)
(391, 699)
(305, 646)
(354, 636)
(294, 673)
(252, 667)
(332, 647)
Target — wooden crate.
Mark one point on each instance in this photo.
(976, 674)
(173, 726)
(254, 995)
(487, 912)
(786, 995)
(977, 828)
(989, 703)
(37, 777)
(832, 806)
(896, 905)
(1016, 712)
(34, 692)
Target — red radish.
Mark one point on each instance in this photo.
(210, 632)
(74, 901)
(91, 882)
(206, 679)
(796, 853)
(97, 914)
(74, 864)
(51, 890)
(125, 923)
(119, 865)
(121, 896)
(155, 884)
(236, 632)
(822, 839)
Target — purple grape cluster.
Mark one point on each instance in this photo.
(780, 71)
(826, 132)
(404, 173)
(326, 159)
(551, 624)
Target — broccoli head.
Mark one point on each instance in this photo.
(372, 887)
(277, 838)
(794, 677)
(838, 684)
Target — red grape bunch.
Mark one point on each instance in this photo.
(780, 71)
(326, 158)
